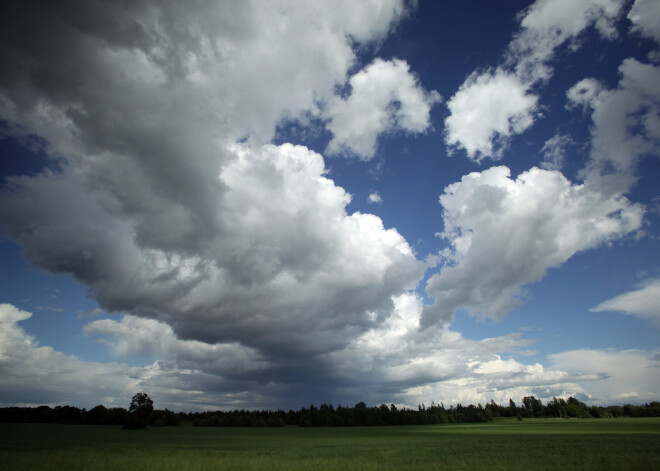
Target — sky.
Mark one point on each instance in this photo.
(273, 204)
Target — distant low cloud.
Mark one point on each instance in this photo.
(385, 97)
(394, 362)
(643, 303)
(625, 376)
(34, 374)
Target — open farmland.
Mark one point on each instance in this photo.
(549, 444)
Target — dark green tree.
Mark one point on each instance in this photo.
(140, 411)
(141, 405)
(513, 410)
(533, 406)
(576, 408)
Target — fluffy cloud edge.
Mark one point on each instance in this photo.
(503, 235)
(385, 98)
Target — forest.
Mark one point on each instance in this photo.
(141, 413)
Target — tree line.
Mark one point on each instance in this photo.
(142, 413)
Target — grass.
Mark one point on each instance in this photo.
(598, 444)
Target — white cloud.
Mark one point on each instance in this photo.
(506, 233)
(626, 127)
(485, 111)
(547, 24)
(645, 17)
(491, 107)
(49, 308)
(554, 151)
(34, 374)
(385, 97)
(643, 303)
(627, 376)
(599, 377)
(583, 93)
(441, 365)
(374, 197)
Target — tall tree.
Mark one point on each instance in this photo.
(141, 406)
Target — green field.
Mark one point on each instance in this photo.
(541, 444)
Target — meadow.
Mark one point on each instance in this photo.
(539, 444)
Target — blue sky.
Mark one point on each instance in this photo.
(272, 205)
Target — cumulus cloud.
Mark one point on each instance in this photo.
(645, 18)
(485, 110)
(504, 234)
(286, 270)
(643, 303)
(170, 205)
(548, 24)
(374, 197)
(148, 337)
(626, 127)
(485, 272)
(160, 79)
(427, 365)
(442, 365)
(236, 261)
(491, 107)
(385, 97)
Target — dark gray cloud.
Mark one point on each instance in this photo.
(156, 207)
